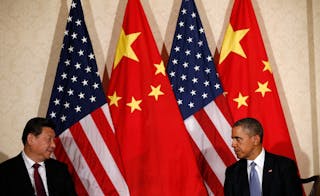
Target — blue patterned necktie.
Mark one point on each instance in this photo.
(254, 181)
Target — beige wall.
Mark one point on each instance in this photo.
(31, 34)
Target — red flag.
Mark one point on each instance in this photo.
(154, 144)
(85, 135)
(248, 81)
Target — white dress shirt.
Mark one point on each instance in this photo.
(259, 166)
(42, 171)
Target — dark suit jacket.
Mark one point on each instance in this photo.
(280, 177)
(15, 180)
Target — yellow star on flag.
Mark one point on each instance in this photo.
(160, 68)
(134, 104)
(263, 88)
(231, 43)
(241, 100)
(267, 66)
(155, 91)
(114, 99)
(124, 47)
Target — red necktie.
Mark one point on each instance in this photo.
(38, 182)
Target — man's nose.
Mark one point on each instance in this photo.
(53, 144)
(233, 144)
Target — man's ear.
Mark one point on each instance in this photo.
(256, 139)
(30, 138)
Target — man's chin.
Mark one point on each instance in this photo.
(48, 156)
(239, 156)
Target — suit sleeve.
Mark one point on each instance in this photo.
(292, 183)
(59, 179)
(69, 185)
(2, 181)
(228, 183)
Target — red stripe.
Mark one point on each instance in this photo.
(208, 175)
(108, 136)
(223, 106)
(61, 155)
(92, 160)
(215, 138)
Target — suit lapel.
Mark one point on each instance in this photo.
(267, 174)
(22, 176)
(244, 184)
(50, 178)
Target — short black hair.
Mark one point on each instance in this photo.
(35, 126)
(252, 125)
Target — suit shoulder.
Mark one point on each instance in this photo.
(55, 163)
(280, 158)
(282, 162)
(11, 166)
(237, 165)
(4, 165)
(9, 162)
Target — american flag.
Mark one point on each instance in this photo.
(199, 95)
(85, 136)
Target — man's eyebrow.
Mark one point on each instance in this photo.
(235, 137)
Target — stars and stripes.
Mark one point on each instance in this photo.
(199, 93)
(85, 135)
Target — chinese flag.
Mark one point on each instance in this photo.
(154, 144)
(247, 79)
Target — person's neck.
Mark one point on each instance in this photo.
(255, 153)
(31, 155)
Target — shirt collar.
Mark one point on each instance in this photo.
(259, 160)
(29, 162)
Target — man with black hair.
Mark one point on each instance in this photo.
(258, 172)
(33, 172)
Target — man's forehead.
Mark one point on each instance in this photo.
(239, 131)
(48, 130)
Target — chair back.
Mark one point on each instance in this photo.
(315, 190)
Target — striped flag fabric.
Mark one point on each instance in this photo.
(155, 147)
(85, 134)
(247, 78)
(199, 94)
